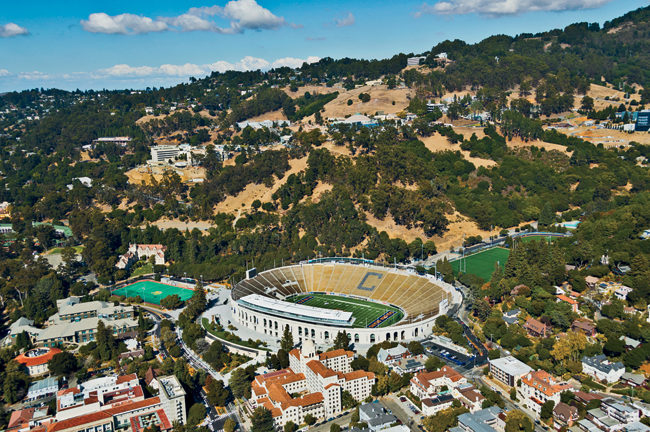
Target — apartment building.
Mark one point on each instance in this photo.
(538, 387)
(508, 370)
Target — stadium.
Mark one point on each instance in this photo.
(319, 298)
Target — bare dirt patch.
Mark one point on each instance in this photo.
(438, 143)
(517, 142)
(146, 173)
(393, 229)
(312, 89)
(165, 224)
(273, 116)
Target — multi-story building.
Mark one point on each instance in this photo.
(118, 402)
(430, 384)
(601, 368)
(320, 380)
(470, 397)
(77, 322)
(45, 387)
(139, 251)
(536, 328)
(564, 416)
(538, 387)
(508, 370)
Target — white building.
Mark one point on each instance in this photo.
(36, 360)
(42, 388)
(602, 369)
(163, 153)
(508, 370)
(122, 141)
(538, 387)
(432, 406)
(320, 378)
(137, 252)
(392, 355)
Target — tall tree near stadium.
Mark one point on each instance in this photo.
(286, 344)
(342, 340)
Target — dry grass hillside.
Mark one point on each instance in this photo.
(244, 199)
(381, 100)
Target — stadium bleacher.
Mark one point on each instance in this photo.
(418, 296)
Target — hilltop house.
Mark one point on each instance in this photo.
(536, 328)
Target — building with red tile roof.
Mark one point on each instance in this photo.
(538, 387)
(36, 360)
(428, 384)
(319, 379)
(572, 302)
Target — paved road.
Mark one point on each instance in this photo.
(325, 427)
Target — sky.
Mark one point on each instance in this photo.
(137, 44)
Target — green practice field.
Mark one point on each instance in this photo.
(366, 313)
(482, 263)
(153, 292)
(531, 238)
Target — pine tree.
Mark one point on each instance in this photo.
(286, 344)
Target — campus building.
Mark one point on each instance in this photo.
(318, 378)
(36, 360)
(118, 402)
(77, 322)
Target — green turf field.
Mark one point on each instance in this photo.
(153, 292)
(528, 239)
(482, 263)
(365, 313)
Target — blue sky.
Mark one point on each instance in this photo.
(134, 44)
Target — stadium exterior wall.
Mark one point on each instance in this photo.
(322, 334)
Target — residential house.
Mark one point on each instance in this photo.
(508, 370)
(376, 416)
(536, 328)
(392, 355)
(29, 419)
(601, 368)
(410, 364)
(430, 384)
(470, 398)
(633, 380)
(564, 415)
(585, 326)
(512, 316)
(571, 302)
(431, 406)
(591, 281)
(486, 420)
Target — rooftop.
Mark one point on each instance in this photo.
(308, 312)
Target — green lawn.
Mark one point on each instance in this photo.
(365, 312)
(529, 239)
(58, 250)
(146, 268)
(482, 263)
(153, 292)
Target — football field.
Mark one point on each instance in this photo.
(481, 263)
(366, 313)
(153, 292)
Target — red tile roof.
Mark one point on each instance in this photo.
(335, 353)
(37, 360)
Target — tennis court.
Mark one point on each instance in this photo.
(152, 291)
(481, 263)
(366, 313)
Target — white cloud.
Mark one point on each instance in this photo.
(505, 7)
(345, 21)
(4, 73)
(34, 75)
(190, 69)
(241, 15)
(12, 29)
(122, 24)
